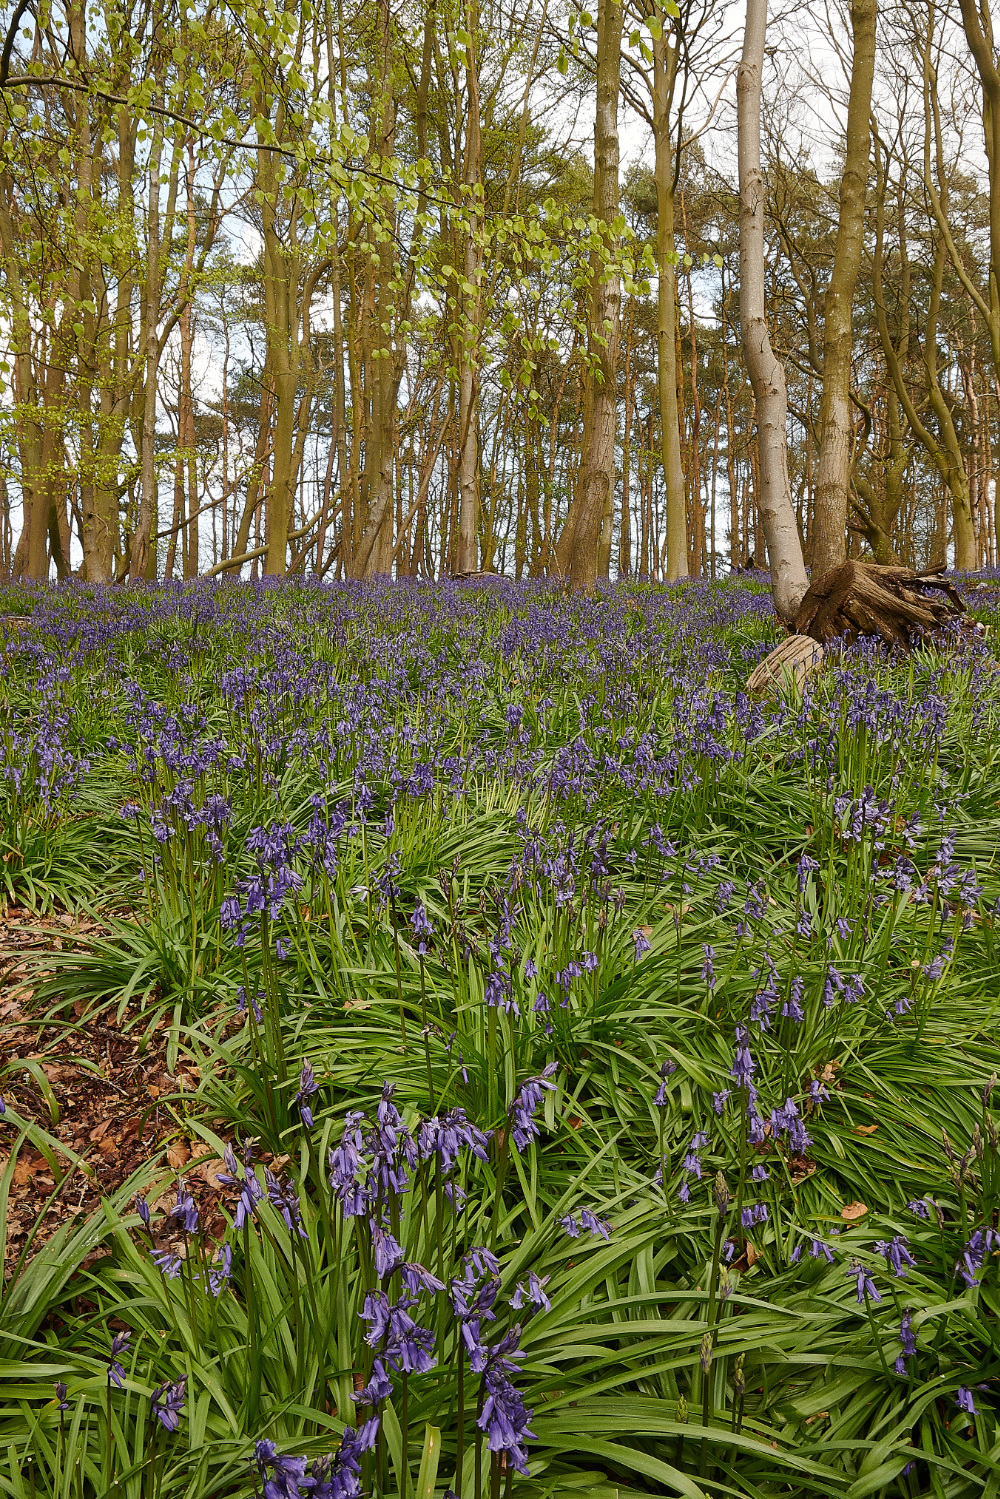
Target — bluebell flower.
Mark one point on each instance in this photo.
(965, 1402)
(251, 1191)
(421, 926)
(167, 1402)
(864, 1282)
(719, 1100)
(416, 1278)
(167, 1262)
(753, 1214)
(386, 1251)
(281, 1476)
(307, 1087)
(896, 1253)
(522, 1111)
(642, 943)
(504, 1418)
(60, 1390)
(119, 1344)
(219, 1275)
(142, 1208)
(667, 1069)
(918, 1207)
(185, 1210)
(378, 1388)
(708, 967)
(284, 1197)
(535, 1293)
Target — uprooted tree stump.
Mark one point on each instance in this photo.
(864, 598)
(859, 598)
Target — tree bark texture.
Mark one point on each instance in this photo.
(835, 426)
(767, 376)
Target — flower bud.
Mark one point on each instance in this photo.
(682, 1410)
(721, 1194)
(739, 1378)
(706, 1352)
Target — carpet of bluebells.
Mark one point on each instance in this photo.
(600, 1062)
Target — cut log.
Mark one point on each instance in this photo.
(788, 666)
(893, 603)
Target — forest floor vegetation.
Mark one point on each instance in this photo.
(454, 1040)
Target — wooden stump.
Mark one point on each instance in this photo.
(788, 666)
(893, 603)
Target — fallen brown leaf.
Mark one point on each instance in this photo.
(853, 1211)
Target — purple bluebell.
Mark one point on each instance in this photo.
(918, 1207)
(595, 1226)
(283, 1196)
(908, 1342)
(753, 1214)
(282, 1476)
(379, 1386)
(524, 1130)
(60, 1390)
(142, 1208)
(421, 927)
(896, 1253)
(167, 1262)
(119, 1345)
(416, 1279)
(642, 943)
(386, 1252)
(534, 1294)
(965, 1402)
(185, 1210)
(307, 1087)
(708, 967)
(504, 1418)
(864, 1282)
(220, 1273)
(666, 1070)
(167, 1402)
(792, 1007)
(719, 1100)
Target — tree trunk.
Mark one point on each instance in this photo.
(597, 467)
(835, 425)
(664, 68)
(468, 339)
(784, 548)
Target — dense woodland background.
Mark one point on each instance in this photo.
(311, 288)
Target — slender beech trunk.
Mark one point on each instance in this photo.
(767, 375)
(468, 337)
(597, 464)
(664, 70)
(833, 478)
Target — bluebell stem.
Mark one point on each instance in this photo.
(167, 1402)
(119, 1344)
(307, 1087)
